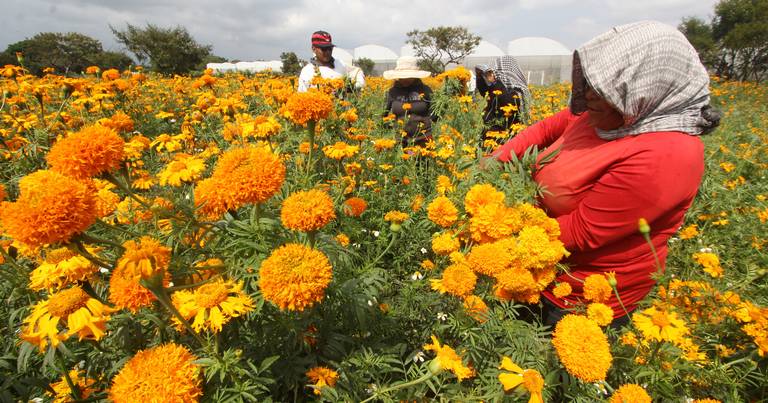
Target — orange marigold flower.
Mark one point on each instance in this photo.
(417, 202)
(383, 144)
(562, 290)
(322, 377)
(395, 217)
(354, 206)
(582, 348)
(602, 314)
(241, 176)
(89, 152)
(442, 212)
(110, 74)
(145, 258)
(120, 122)
(458, 279)
(710, 262)
(3, 193)
(50, 208)
(125, 291)
(531, 379)
(307, 210)
(493, 257)
(689, 232)
(476, 308)
(660, 325)
(165, 373)
(303, 107)
(494, 221)
(482, 195)
(62, 393)
(630, 393)
(342, 239)
(596, 288)
(445, 244)
(294, 277)
(447, 359)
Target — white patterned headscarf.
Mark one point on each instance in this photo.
(651, 74)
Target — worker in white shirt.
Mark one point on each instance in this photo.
(325, 66)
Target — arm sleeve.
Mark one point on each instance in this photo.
(305, 78)
(541, 134)
(646, 184)
(360, 79)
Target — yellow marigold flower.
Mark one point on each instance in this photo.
(689, 232)
(458, 279)
(582, 348)
(476, 308)
(73, 310)
(706, 401)
(241, 176)
(711, 263)
(447, 359)
(535, 250)
(562, 290)
(342, 239)
(303, 107)
(110, 74)
(630, 393)
(629, 339)
(167, 143)
(3, 193)
(517, 281)
(492, 222)
(322, 377)
(660, 325)
(354, 206)
(445, 243)
(183, 168)
(602, 314)
(597, 289)
(165, 373)
(444, 185)
(212, 305)
(294, 277)
(144, 259)
(62, 393)
(482, 195)
(307, 210)
(61, 268)
(50, 208)
(427, 264)
(417, 202)
(531, 379)
(442, 212)
(340, 150)
(383, 144)
(106, 199)
(89, 152)
(395, 217)
(92, 70)
(493, 257)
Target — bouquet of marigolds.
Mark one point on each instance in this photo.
(225, 238)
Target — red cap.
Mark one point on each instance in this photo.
(322, 39)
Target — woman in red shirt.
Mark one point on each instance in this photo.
(626, 148)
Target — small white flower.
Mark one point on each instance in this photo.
(37, 400)
(370, 303)
(418, 357)
(441, 316)
(173, 120)
(356, 245)
(705, 250)
(81, 364)
(363, 230)
(423, 251)
(103, 270)
(376, 234)
(417, 276)
(170, 284)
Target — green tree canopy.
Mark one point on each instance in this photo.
(439, 46)
(366, 65)
(167, 50)
(292, 65)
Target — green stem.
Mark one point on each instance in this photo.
(165, 300)
(117, 228)
(127, 189)
(94, 239)
(391, 242)
(74, 390)
(311, 236)
(616, 291)
(186, 286)
(311, 132)
(424, 378)
(80, 249)
(653, 250)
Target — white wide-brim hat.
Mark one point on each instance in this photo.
(406, 67)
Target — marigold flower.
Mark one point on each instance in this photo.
(342, 239)
(447, 359)
(125, 291)
(442, 212)
(307, 210)
(582, 348)
(444, 185)
(494, 221)
(144, 259)
(395, 217)
(61, 268)
(562, 290)
(62, 393)
(120, 122)
(89, 152)
(183, 168)
(383, 144)
(417, 202)
(482, 195)
(50, 208)
(476, 308)
(294, 277)
(73, 310)
(322, 377)
(493, 257)
(303, 107)
(340, 150)
(630, 393)
(596, 288)
(689, 232)
(212, 305)
(165, 373)
(110, 74)
(531, 379)
(445, 243)
(602, 314)
(354, 206)
(710, 262)
(660, 325)
(458, 279)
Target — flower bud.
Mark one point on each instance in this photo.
(435, 367)
(643, 227)
(395, 227)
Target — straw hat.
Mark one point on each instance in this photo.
(406, 67)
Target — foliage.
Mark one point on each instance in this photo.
(168, 50)
(292, 65)
(366, 65)
(440, 46)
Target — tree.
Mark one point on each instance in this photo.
(292, 65)
(439, 46)
(366, 65)
(735, 44)
(168, 50)
(112, 60)
(67, 53)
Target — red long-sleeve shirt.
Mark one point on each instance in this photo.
(597, 190)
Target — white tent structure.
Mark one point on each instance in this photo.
(543, 60)
(246, 67)
(383, 57)
(343, 55)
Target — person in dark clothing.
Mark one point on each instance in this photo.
(505, 89)
(409, 100)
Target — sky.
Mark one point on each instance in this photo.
(261, 30)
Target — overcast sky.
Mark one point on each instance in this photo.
(261, 30)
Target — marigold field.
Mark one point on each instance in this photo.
(222, 238)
